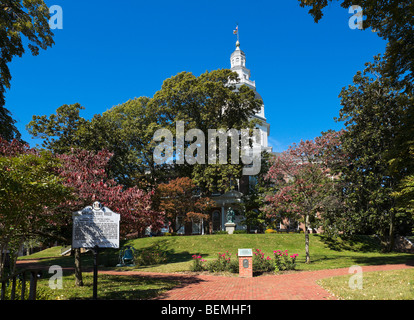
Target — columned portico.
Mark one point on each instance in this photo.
(230, 199)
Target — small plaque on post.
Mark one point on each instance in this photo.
(95, 226)
(245, 263)
(245, 253)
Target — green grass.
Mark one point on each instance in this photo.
(325, 253)
(378, 285)
(110, 287)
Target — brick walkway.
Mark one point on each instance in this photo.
(294, 286)
(299, 285)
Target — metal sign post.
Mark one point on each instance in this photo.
(95, 227)
(95, 272)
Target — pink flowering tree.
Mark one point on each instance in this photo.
(303, 179)
(84, 172)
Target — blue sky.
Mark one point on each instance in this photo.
(111, 51)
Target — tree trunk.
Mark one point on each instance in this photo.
(78, 269)
(3, 254)
(391, 234)
(307, 238)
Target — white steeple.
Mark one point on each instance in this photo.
(238, 64)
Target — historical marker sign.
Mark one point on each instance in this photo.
(245, 253)
(245, 263)
(95, 226)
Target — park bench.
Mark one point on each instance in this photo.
(126, 257)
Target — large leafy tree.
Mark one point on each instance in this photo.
(374, 110)
(84, 172)
(59, 131)
(258, 187)
(181, 202)
(8, 129)
(209, 101)
(304, 177)
(29, 188)
(21, 22)
(127, 130)
(393, 21)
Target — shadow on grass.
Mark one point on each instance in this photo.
(163, 247)
(138, 287)
(355, 243)
(319, 262)
(115, 286)
(384, 259)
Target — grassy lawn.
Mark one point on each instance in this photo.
(110, 287)
(178, 250)
(384, 285)
(325, 253)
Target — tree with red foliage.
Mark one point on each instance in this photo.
(179, 198)
(37, 184)
(84, 172)
(303, 179)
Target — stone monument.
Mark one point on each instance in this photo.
(245, 263)
(230, 225)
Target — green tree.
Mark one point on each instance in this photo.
(258, 189)
(374, 112)
(20, 22)
(7, 128)
(59, 131)
(393, 21)
(127, 130)
(209, 101)
(29, 188)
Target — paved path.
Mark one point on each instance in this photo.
(299, 285)
(295, 286)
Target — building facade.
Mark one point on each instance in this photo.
(233, 198)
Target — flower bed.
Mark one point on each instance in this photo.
(282, 261)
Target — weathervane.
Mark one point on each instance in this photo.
(236, 31)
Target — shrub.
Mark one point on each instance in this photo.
(233, 266)
(168, 234)
(220, 232)
(283, 261)
(222, 263)
(197, 263)
(260, 263)
(239, 231)
(150, 256)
